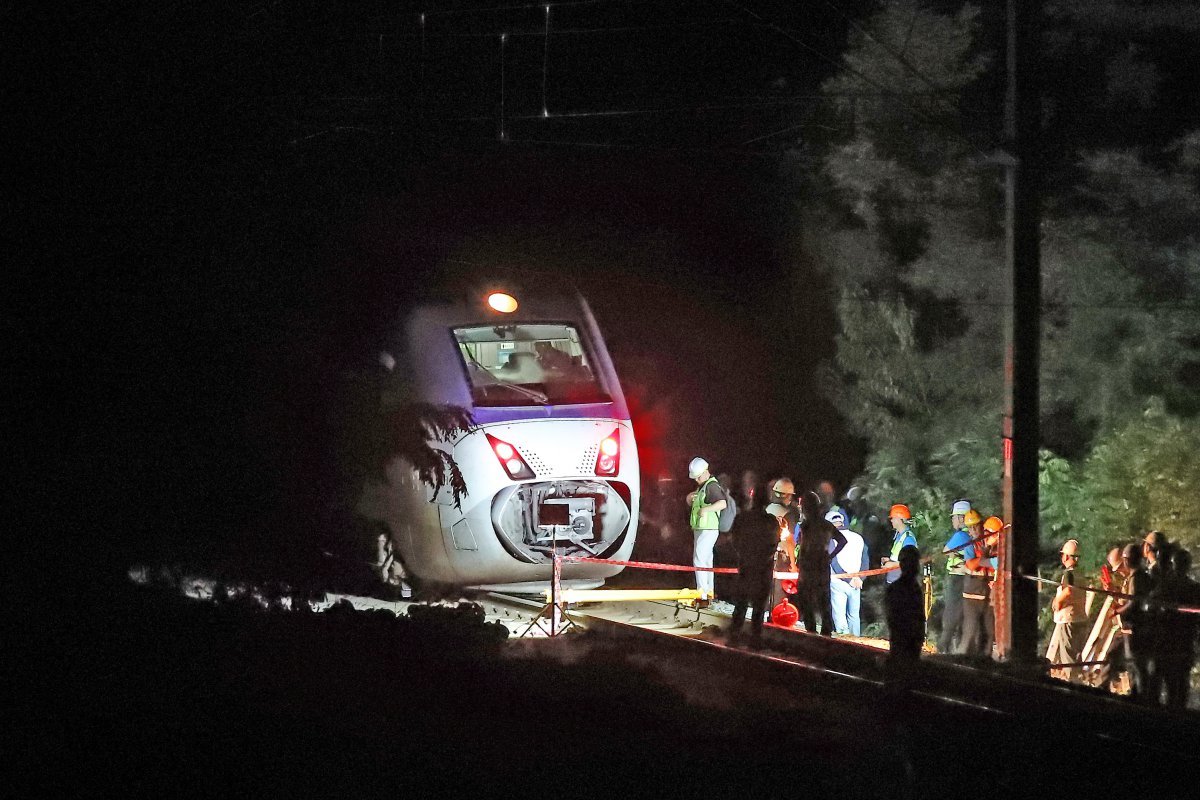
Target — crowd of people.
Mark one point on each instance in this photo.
(1135, 634)
(1142, 634)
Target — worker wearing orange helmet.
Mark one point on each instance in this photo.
(979, 621)
(902, 536)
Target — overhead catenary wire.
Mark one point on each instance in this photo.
(833, 294)
(870, 81)
(883, 90)
(581, 31)
(899, 56)
(528, 6)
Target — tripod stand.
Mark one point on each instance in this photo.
(555, 612)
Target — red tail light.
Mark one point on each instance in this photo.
(510, 459)
(608, 460)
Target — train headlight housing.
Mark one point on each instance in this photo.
(510, 459)
(608, 459)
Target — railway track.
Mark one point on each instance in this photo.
(941, 685)
(790, 655)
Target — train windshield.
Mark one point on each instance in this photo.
(527, 364)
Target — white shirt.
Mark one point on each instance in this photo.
(850, 559)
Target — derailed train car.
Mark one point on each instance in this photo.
(551, 461)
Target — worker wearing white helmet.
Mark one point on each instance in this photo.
(706, 504)
(846, 593)
(1070, 620)
(952, 608)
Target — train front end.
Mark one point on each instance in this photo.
(552, 464)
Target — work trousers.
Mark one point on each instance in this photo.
(753, 592)
(952, 614)
(846, 602)
(1065, 644)
(814, 599)
(1139, 660)
(979, 626)
(1176, 674)
(703, 543)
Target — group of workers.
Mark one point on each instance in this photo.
(1139, 631)
(1144, 631)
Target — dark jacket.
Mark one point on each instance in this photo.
(813, 554)
(904, 605)
(755, 537)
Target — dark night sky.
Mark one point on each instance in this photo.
(222, 207)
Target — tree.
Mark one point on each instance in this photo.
(910, 244)
(910, 240)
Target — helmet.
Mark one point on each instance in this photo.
(960, 507)
(777, 511)
(1070, 547)
(836, 517)
(785, 614)
(972, 518)
(993, 524)
(697, 466)
(781, 488)
(900, 510)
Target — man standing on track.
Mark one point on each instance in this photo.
(706, 503)
(1134, 623)
(755, 537)
(905, 609)
(1070, 621)
(902, 536)
(812, 561)
(846, 593)
(979, 619)
(952, 609)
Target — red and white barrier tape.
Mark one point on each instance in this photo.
(791, 576)
(845, 576)
(1122, 595)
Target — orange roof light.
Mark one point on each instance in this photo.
(504, 303)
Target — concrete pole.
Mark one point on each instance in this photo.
(1016, 629)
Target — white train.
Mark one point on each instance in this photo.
(552, 458)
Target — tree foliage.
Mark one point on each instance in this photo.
(911, 242)
(379, 422)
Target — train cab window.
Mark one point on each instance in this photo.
(527, 364)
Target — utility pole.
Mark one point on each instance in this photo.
(1016, 600)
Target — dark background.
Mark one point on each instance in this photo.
(220, 208)
(216, 210)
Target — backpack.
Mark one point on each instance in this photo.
(727, 514)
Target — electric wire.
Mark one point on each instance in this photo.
(870, 81)
(581, 31)
(528, 6)
(602, 273)
(896, 55)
